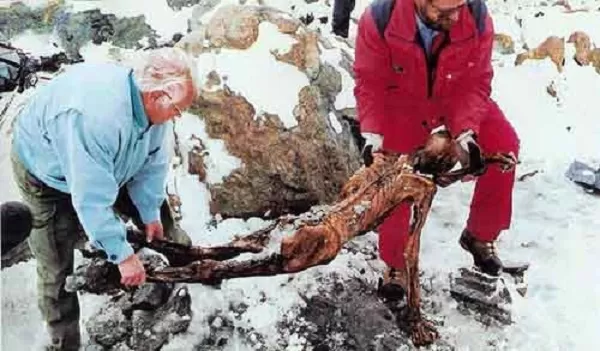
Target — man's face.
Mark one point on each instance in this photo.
(439, 14)
(164, 105)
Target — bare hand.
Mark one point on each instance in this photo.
(154, 230)
(132, 271)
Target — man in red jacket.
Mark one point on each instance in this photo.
(423, 71)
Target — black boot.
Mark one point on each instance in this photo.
(484, 253)
(341, 17)
(16, 223)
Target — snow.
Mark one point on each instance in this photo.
(34, 43)
(345, 99)
(335, 123)
(253, 72)
(555, 224)
(158, 14)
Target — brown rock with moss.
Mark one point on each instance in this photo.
(284, 170)
(234, 27)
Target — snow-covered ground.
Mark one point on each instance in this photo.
(556, 226)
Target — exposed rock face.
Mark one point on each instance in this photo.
(233, 27)
(553, 47)
(284, 169)
(77, 29)
(115, 327)
(585, 53)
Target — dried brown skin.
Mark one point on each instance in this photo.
(181, 255)
(553, 47)
(365, 201)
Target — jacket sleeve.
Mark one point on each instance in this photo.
(147, 187)
(466, 109)
(85, 154)
(372, 69)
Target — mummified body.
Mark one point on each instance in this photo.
(365, 201)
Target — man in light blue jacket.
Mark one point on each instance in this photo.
(88, 147)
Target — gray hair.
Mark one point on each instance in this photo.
(160, 68)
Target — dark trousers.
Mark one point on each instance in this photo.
(341, 16)
(55, 233)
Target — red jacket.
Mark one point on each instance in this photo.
(397, 91)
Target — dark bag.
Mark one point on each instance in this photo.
(17, 70)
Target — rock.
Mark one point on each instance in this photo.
(352, 310)
(179, 4)
(202, 8)
(18, 18)
(195, 43)
(285, 167)
(284, 22)
(282, 172)
(504, 44)
(304, 54)
(108, 326)
(150, 296)
(75, 29)
(553, 47)
(347, 63)
(96, 276)
(221, 331)
(234, 27)
(129, 322)
(151, 329)
(329, 81)
(585, 53)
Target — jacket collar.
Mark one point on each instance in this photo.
(139, 113)
(403, 23)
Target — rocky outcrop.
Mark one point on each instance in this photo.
(75, 29)
(553, 47)
(138, 319)
(284, 168)
(585, 53)
(504, 44)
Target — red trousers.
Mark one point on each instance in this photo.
(491, 205)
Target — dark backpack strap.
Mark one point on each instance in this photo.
(382, 11)
(479, 12)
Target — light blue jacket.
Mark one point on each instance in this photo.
(86, 133)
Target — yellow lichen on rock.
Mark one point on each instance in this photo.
(234, 27)
(553, 47)
(504, 44)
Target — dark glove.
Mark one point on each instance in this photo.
(373, 143)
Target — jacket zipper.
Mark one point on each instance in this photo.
(431, 62)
